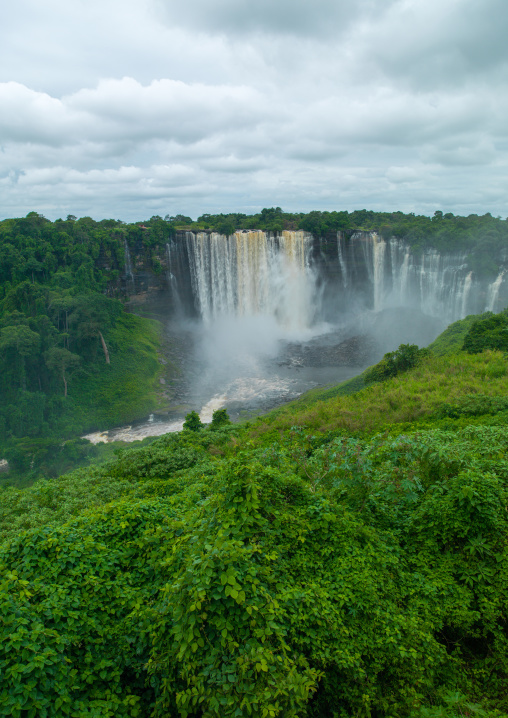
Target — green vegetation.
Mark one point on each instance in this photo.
(193, 422)
(343, 556)
(489, 331)
(394, 363)
(71, 360)
(452, 339)
(220, 419)
(66, 364)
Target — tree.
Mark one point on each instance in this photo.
(405, 357)
(226, 227)
(220, 418)
(193, 422)
(92, 314)
(61, 360)
(490, 331)
(23, 341)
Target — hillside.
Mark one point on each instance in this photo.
(343, 556)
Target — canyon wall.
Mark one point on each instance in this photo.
(301, 279)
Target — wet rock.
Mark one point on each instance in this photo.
(354, 351)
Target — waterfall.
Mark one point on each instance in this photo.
(379, 247)
(465, 294)
(299, 281)
(172, 281)
(342, 262)
(493, 291)
(437, 285)
(253, 273)
(404, 275)
(129, 275)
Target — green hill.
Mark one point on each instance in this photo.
(343, 556)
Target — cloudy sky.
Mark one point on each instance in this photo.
(129, 108)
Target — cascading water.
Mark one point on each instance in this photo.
(493, 292)
(253, 273)
(300, 281)
(259, 298)
(439, 286)
(172, 282)
(378, 254)
(129, 274)
(466, 289)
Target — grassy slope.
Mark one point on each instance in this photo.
(161, 482)
(448, 342)
(414, 396)
(406, 398)
(99, 398)
(452, 339)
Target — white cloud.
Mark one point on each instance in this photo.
(122, 108)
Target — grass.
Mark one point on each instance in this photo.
(452, 339)
(410, 397)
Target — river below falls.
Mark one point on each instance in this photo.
(243, 397)
(249, 367)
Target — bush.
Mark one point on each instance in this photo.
(488, 332)
(193, 422)
(405, 357)
(220, 418)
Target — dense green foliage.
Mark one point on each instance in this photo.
(393, 363)
(64, 338)
(351, 569)
(452, 339)
(308, 576)
(220, 418)
(489, 331)
(193, 422)
(70, 358)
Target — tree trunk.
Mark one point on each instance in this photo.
(106, 353)
(65, 382)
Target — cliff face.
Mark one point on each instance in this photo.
(304, 279)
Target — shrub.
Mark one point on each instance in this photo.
(405, 357)
(488, 332)
(193, 422)
(220, 418)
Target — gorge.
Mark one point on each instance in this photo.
(265, 316)
(250, 310)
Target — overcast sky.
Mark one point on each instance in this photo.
(130, 108)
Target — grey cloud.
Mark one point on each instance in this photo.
(203, 106)
(476, 151)
(283, 17)
(438, 44)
